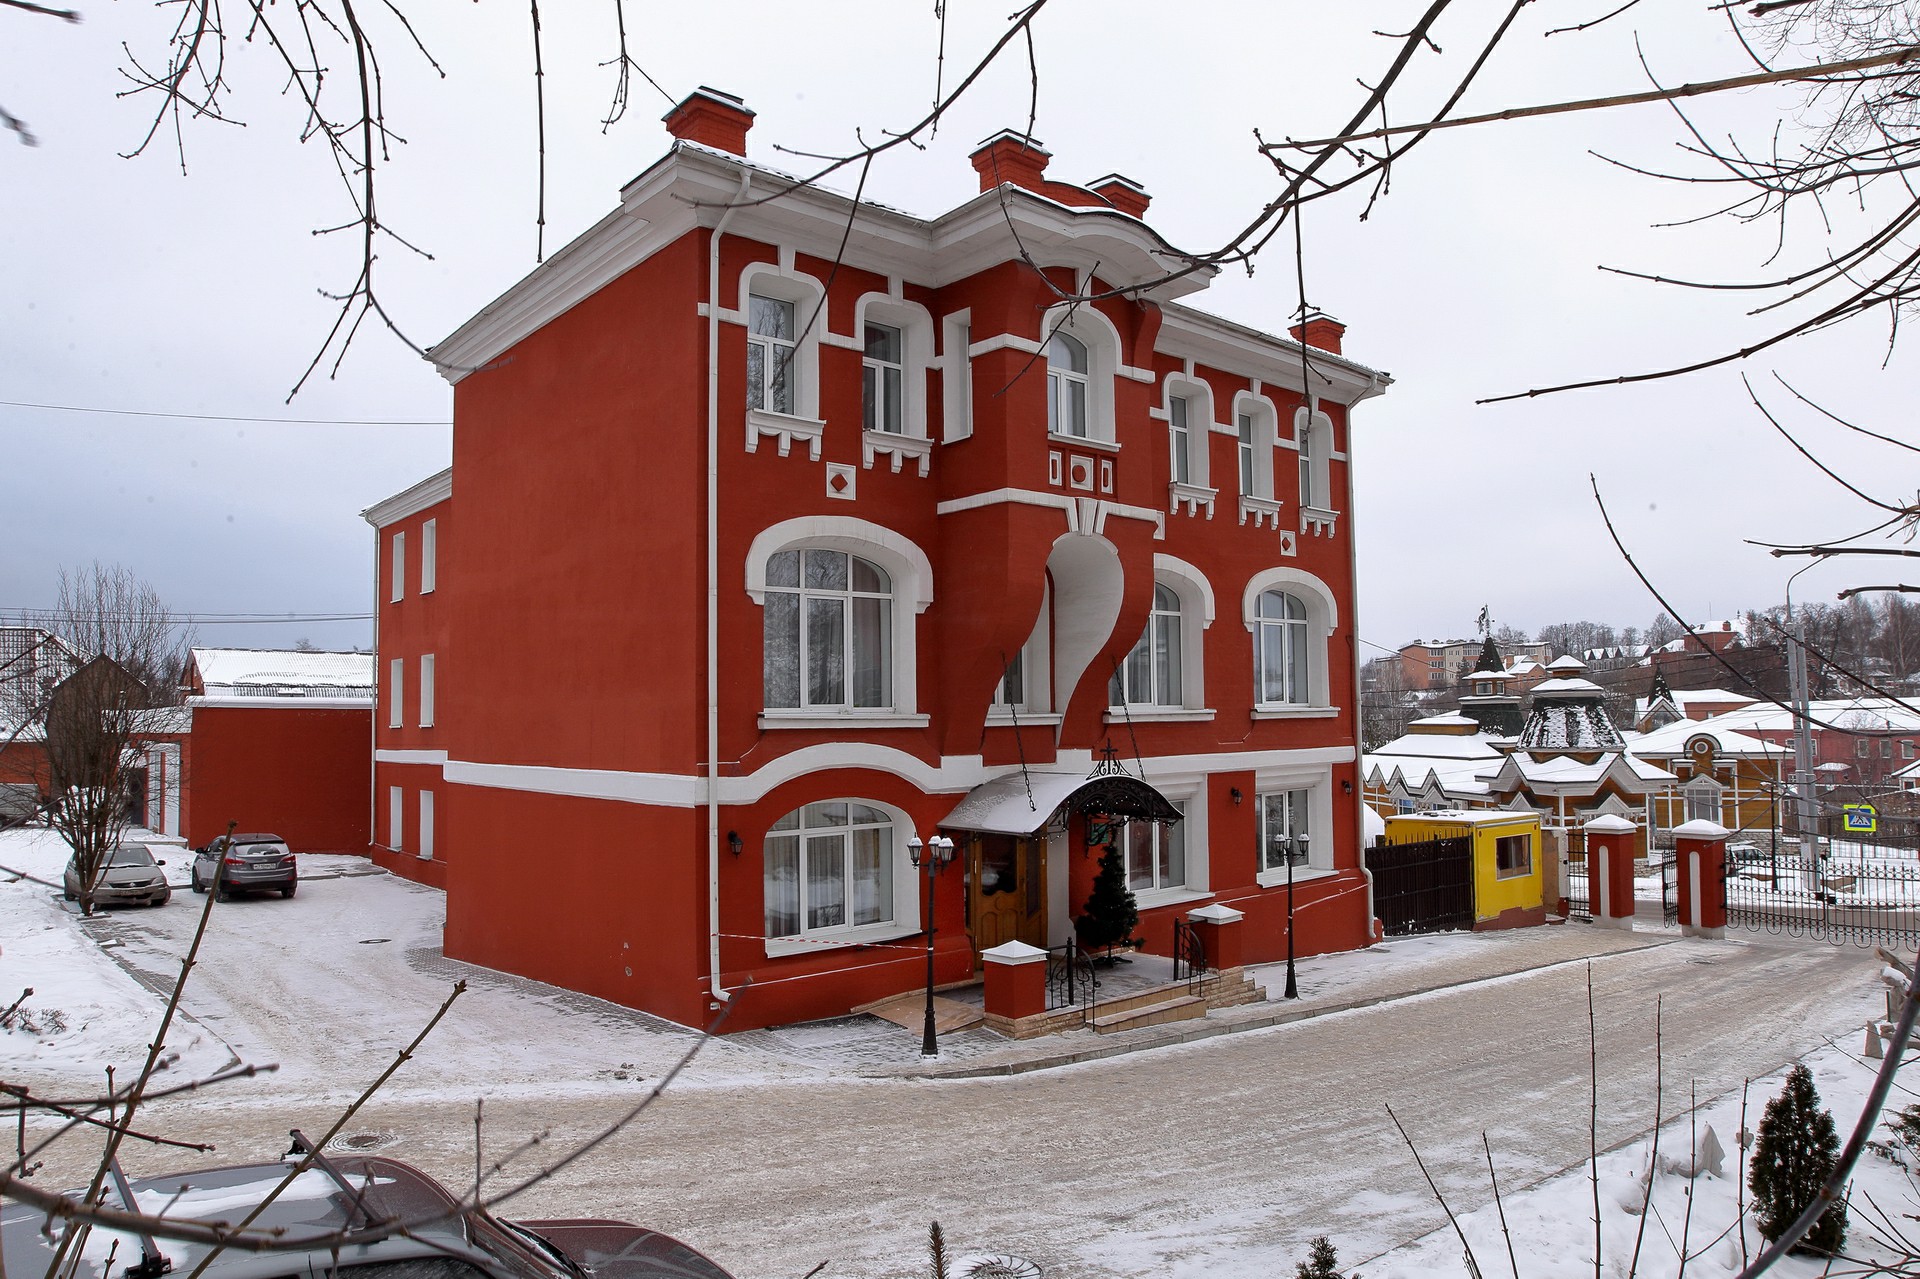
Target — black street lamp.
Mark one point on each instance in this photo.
(933, 854)
(1289, 850)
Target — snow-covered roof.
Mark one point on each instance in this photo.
(1448, 720)
(1568, 687)
(1563, 771)
(1021, 802)
(1464, 816)
(1567, 663)
(1673, 739)
(259, 672)
(1441, 746)
(1854, 714)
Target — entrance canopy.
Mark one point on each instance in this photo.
(1022, 803)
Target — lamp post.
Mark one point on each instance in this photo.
(933, 854)
(1288, 848)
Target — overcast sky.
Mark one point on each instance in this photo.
(128, 286)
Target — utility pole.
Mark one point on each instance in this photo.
(1803, 775)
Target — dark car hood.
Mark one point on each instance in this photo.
(616, 1250)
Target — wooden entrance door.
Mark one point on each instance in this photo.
(1006, 891)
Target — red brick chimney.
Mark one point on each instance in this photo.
(1319, 330)
(1123, 193)
(713, 119)
(1011, 157)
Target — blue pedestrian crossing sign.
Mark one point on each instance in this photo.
(1859, 819)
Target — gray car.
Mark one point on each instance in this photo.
(338, 1220)
(131, 876)
(246, 863)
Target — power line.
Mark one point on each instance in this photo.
(218, 417)
(33, 617)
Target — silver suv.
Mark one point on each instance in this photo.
(129, 876)
(246, 863)
(314, 1223)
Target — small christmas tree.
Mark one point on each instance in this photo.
(1321, 1262)
(1111, 911)
(1793, 1156)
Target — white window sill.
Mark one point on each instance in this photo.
(1301, 875)
(1295, 712)
(833, 939)
(1260, 510)
(898, 447)
(999, 718)
(1155, 898)
(1157, 714)
(1190, 496)
(816, 718)
(1317, 518)
(784, 429)
(423, 857)
(1083, 442)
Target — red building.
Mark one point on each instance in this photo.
(267, 740)
(766, 565)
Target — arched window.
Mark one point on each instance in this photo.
(1066, 386)
(829, 868)
(829, 631)
(1281, 658)
(1151, 674)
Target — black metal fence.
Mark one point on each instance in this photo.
(1070, 980)
(1576, 888)
(1850, 890)
(1426, 887)
(1190, 963)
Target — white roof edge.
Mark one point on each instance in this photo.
(282, 703)
(1205, 330)
(645, 221)
(410, 501)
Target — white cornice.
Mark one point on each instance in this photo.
(433, 489)
(690, 186)
(1186, 333)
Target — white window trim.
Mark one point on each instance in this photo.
(1260, 505)
(1146, 636)
(397, 568)
(1323, 619)
(429, 556)
(427, 665)
(426, 826)
(1318, 784)
(1200, 426)
(772, 280)
(1321, 512)
(1094, 331)
(1189, 791)
(912, 578)
(956, 375)
(396, 692)
(906, 894)
(396, 818)
(915, 323)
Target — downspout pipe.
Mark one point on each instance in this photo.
(1353, 617)
(713, 589)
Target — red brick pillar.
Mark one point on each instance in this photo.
(1610, 842)
(1700, 849)
(1219, 930)
(1016, 980)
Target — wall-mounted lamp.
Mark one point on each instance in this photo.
(1346, 787)
(1235, 792)
(734, 842)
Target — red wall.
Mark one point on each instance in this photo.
(298, 772)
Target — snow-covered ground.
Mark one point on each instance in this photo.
(327, 986)
(1178, 1162)
(1549, 1227)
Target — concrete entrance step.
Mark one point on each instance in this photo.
(1180, 1008)
(910, 1011)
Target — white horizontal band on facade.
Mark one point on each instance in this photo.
(955, 775)
(409, 757)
